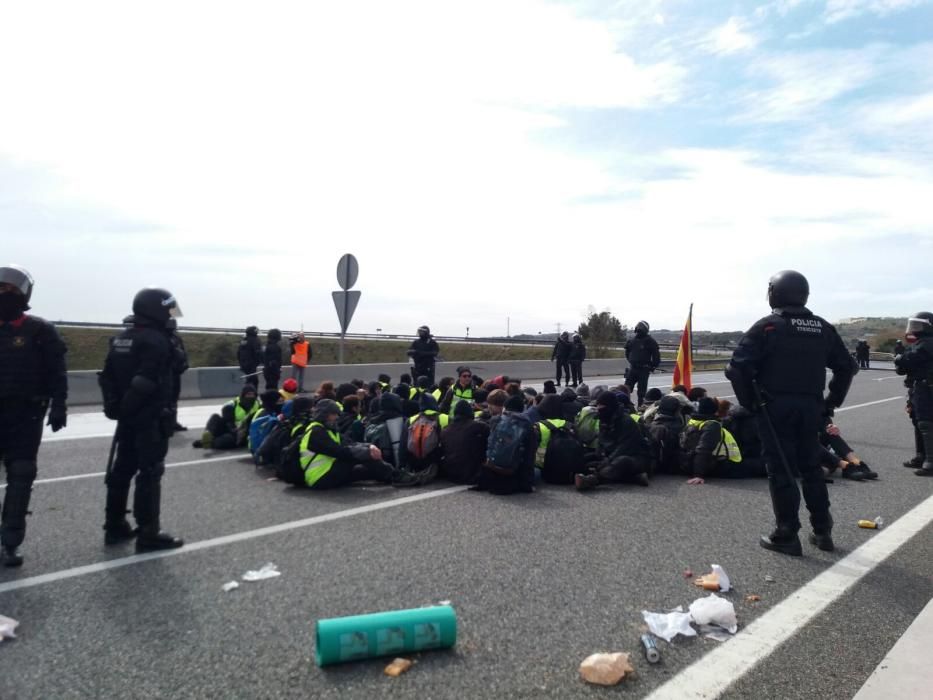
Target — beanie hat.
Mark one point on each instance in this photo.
(550, 407)
(583, 391)
(653, 394)
(290, 385)
(609, 400)
(462, 410)
(269, 400)
(344, 390)
(480, 395)
(549, 387)
(568, 395)
(707, 406)
(668, 406)
(515, 403)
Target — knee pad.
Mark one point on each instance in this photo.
(21, 471)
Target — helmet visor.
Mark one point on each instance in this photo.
(18, 278)
(918, 325)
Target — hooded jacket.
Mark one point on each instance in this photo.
(463, 443)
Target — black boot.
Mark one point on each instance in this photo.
(116, 528)
(13, 522)
(147, 504)
(822, 540)
(925, 429)
(10, 556)
(783, 541)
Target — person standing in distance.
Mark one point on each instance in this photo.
(644, 357)
(917, 363)
(249, 355)
(32, 380)
(786, 355)
(423, 353)
(137, 383)
(561, 353)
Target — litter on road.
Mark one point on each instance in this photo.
(754, 598)
(7, 628)
(606, 668)
(713, 610)
(398, 667)
(230, 585)
(875, 524)
(669, 625)
(652, 655)
(716, 580)
(268, 571)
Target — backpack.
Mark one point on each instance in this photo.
(587, 426)
(508, 441)
(272, 449)
(563, 457)
(424, 436)
(259, 429)
(378, 434)
(289, 467)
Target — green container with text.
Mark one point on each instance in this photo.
(342, 639)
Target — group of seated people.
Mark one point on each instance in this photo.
(497, 435)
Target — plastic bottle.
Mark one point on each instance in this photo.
(651, 649)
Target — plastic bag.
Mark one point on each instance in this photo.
(713, 610)
(7, 628)
(717, 580)
(268, 571)
(669, 625)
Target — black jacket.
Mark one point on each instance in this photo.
(577, 352)
(464, 447)
(562, 350)
(423, 352)
(700, 461)
(272, 357)
(664, 432)
(744, 428)
(249, 353)
(32, 361)
(621, 437)
(642, 351)
(139, 367)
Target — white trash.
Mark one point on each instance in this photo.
(713, 610)
(669, 625)
(268, 571)
(7, 628)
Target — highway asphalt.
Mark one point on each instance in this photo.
(538, 581)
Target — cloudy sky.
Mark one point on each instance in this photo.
(483, 160)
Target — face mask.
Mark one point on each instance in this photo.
(11, 307)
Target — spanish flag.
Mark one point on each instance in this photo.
(683, 370)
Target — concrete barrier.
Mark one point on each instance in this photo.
(225, 382)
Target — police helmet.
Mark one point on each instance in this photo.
(19, 278)
(921, 323)
(252, 330)
(788, 288)
(155, 304)
(642, 327)
(424, 330)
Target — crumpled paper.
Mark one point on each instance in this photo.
(717, 580)
(669, 625)
(7, 628)
(230, 586)
(268, 571)
(713, 610)
(605, 668)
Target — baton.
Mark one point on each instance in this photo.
(113, 450)
(254, 374)
(763, 407)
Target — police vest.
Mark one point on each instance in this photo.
(315, 465)
(727, 448)
(300, 354)
(443, 419)
(546, 438)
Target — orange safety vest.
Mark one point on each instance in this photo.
(300, 356)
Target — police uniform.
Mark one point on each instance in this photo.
(423, 353)
(916, 362)
(787, 354)
(644, 357)
(179, 367)
(138, 384)
(32, 378)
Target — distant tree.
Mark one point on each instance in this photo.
(600, 331)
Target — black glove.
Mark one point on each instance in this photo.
(829, 408)
(58, 417)
(167, 422)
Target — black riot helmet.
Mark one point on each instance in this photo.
(788, 288)
(19, 278)
(252, 330)
(155, 304)
(920, 324)
(424, 332)
(642, 328)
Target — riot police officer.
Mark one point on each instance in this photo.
(643, 357)
(778, 371)
(138, 385)
(917, 363)
(32, 380)
(423, 353)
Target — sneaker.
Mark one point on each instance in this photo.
(867, 471)
(853, 472)
(585, 482)
(782, 543)
(11, 557)
(117, 534)
(822, 540)
(404, 478)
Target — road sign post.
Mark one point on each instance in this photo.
(348, 270)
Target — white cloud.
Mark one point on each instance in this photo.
(730, 38)
(839, 10)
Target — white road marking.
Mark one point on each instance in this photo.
(885, 379)
(870, 403)
(77, 571)
(713, 673)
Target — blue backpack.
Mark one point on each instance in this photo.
(259, 429)
(508, 442)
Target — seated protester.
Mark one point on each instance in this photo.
(342, 392)
(709, 450)
(373, 391)
(513, 387)
(853, 467)
(559, 454)
(423, 446)
(664, 433)
(463, 446)
(622, 454)
(583, 392)
(387, 428)
(350, 424)
(462, 390)
(586, 426)
(569, 406)
(743, 425)
(510, 452)
(549, 387)
(325, 461)
(385, 383)
(405, 378)
(722, 408)
(679, 392)
(652, 398)
(326, 391)
(495, 405)
(409, 407)
(694, 396)
(265, 419)
(289, 389)
(533, 413)
(422, 386)
(295, 416)
(480, 409)
(443, 387)
(230, 429)
(529, 397)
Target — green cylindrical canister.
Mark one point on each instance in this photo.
(358, 637)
